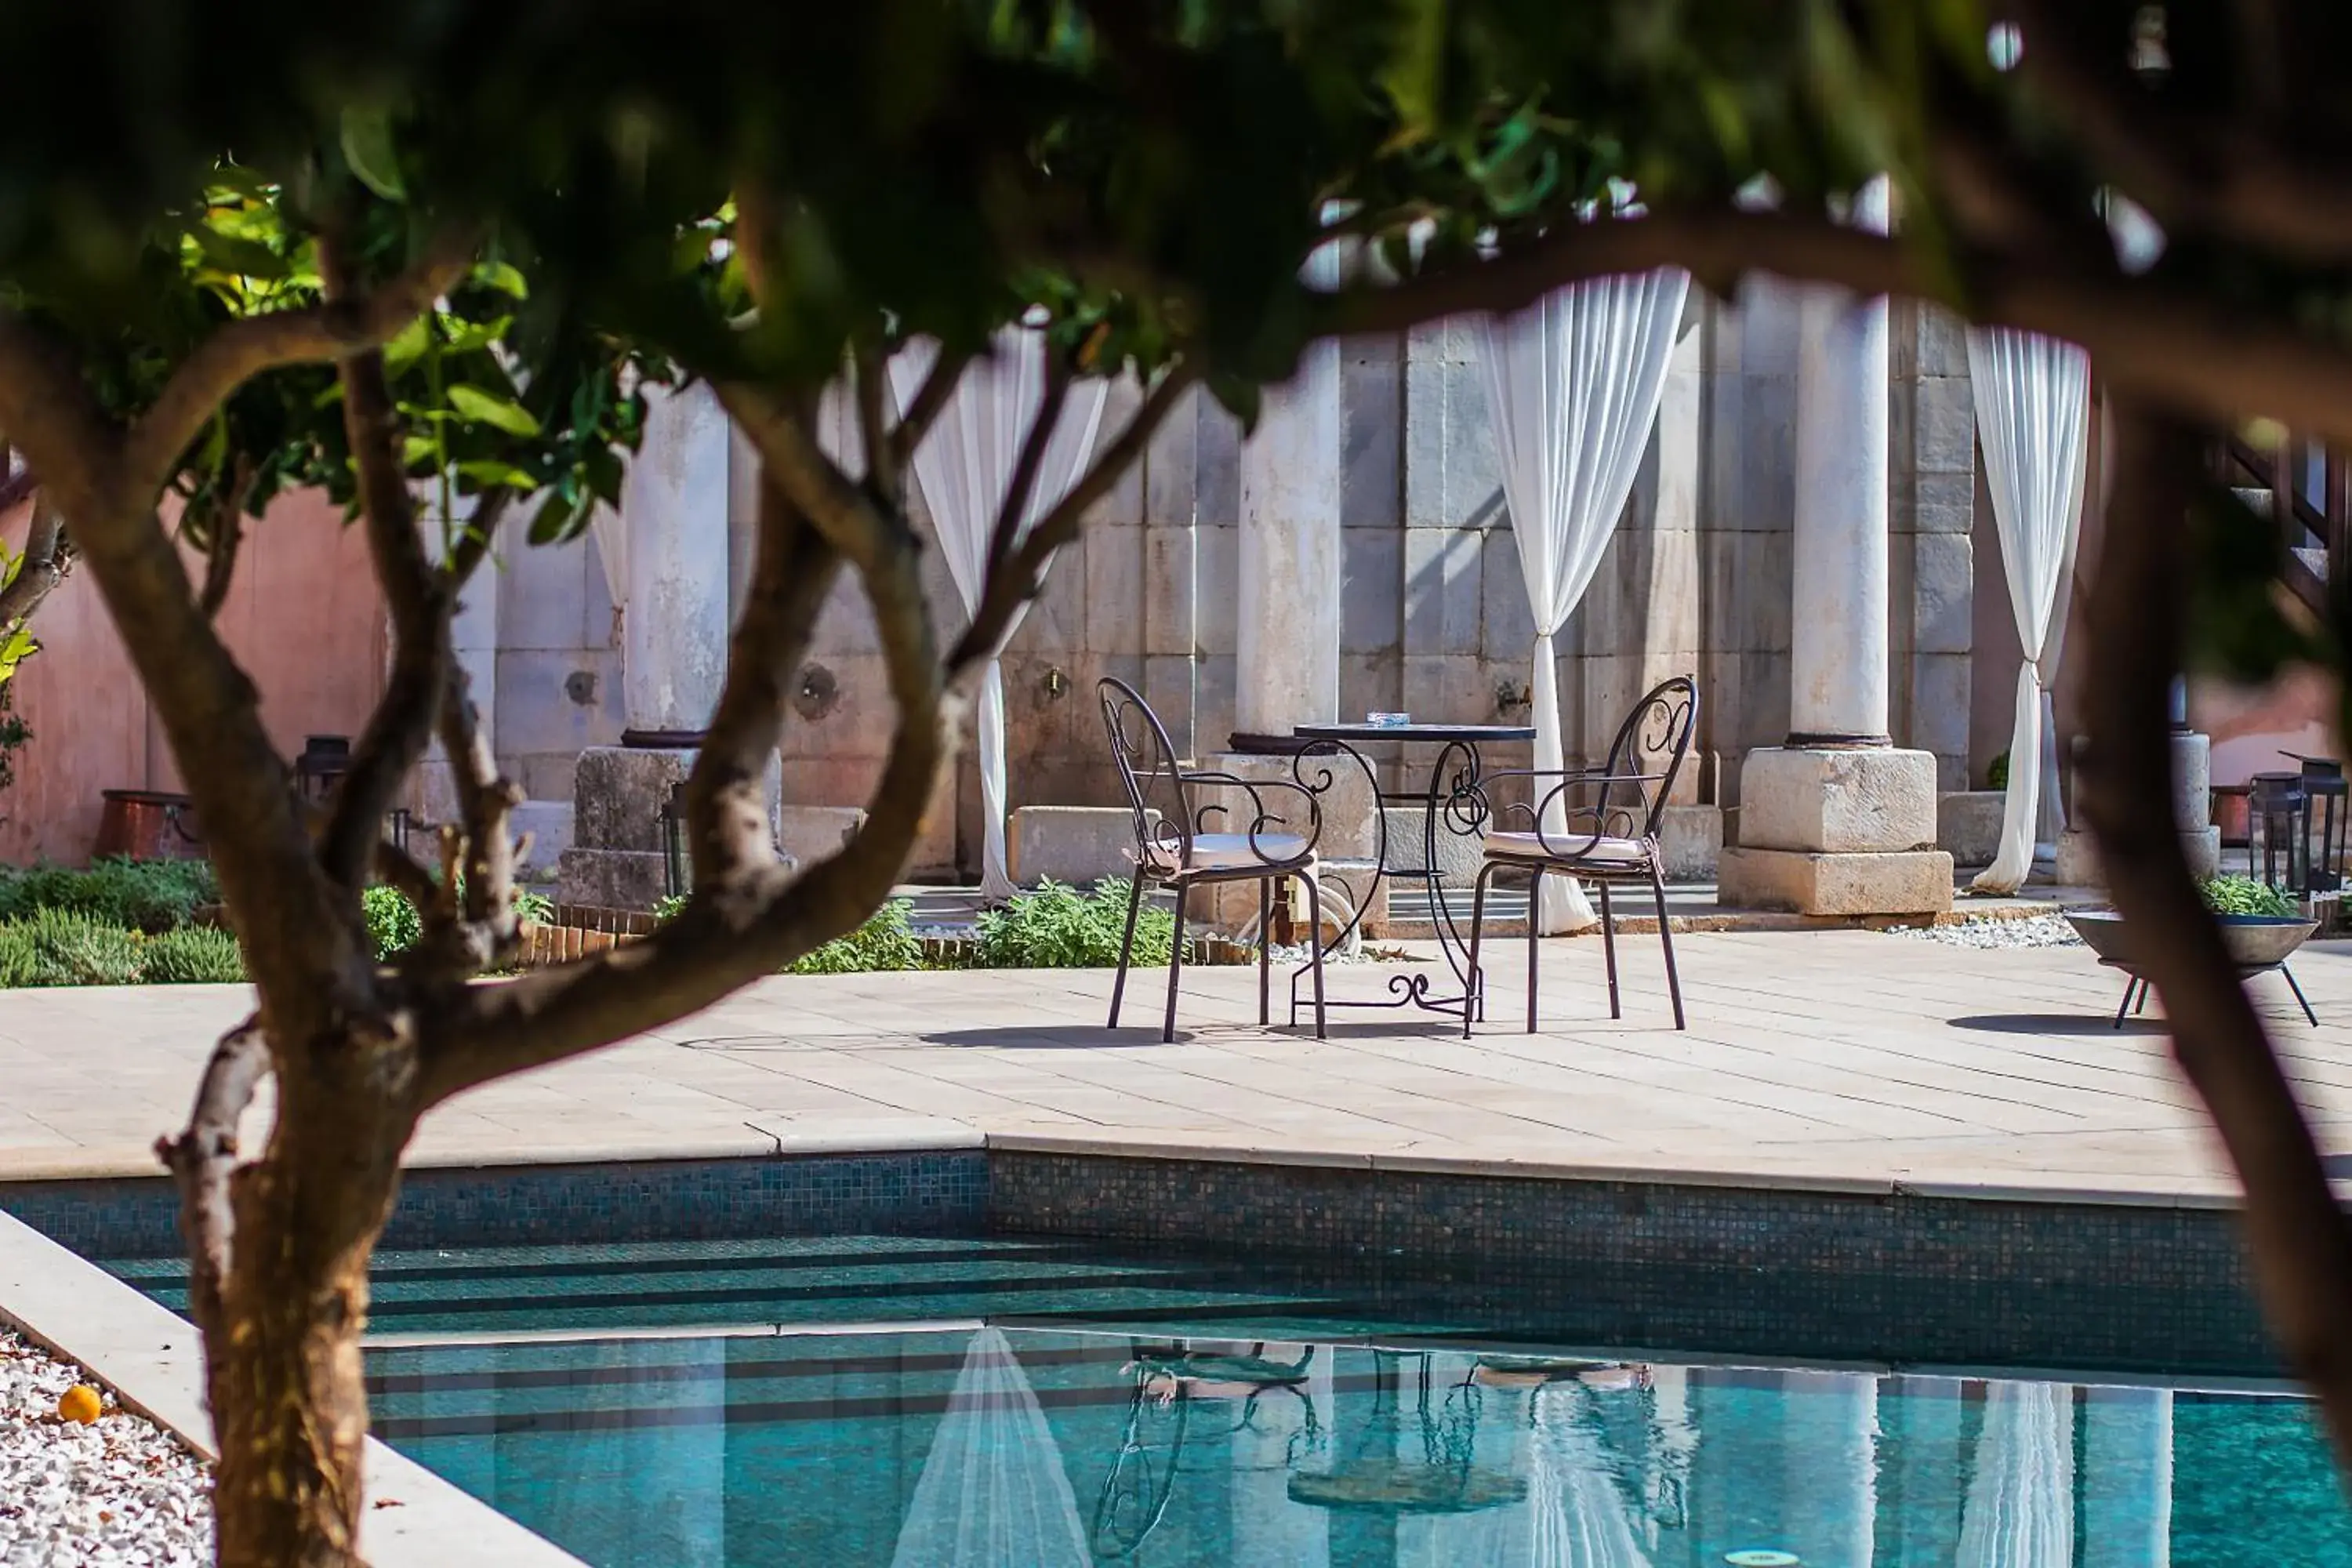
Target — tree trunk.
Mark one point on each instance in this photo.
(2296, 1237)
(283, 1352)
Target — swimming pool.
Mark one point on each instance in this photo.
(966, 1396)
(916, 1401)
(972, 1443)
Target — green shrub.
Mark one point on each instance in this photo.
(393, 923)
(666, 909)
(2236, 895)
(193, 956)
(60, 947)
(886, 941)
(394, 926)
(1060, 928)
(152, 896)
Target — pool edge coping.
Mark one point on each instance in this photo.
(78, 1311)
(764, 1144)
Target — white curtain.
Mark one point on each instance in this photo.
(1573, 381)
(2020, 1506)
(993, 1493)
(965, 468)
(2033, 405)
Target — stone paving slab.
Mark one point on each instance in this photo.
(1845, 1057)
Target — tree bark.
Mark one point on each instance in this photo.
(278, 1255)
(2296, 1237)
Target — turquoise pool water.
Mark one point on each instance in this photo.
(910, 1401)
(972, 1444)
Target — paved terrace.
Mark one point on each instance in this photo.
(1848, 1056)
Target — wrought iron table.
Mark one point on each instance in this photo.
(1451, 803)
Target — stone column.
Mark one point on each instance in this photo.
(1287, 624)
(1837, 820)
(1838, 639)
(673, 651)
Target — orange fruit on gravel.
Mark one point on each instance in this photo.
(79, 1404)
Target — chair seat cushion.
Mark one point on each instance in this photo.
(1230, 851)
(1567, 845)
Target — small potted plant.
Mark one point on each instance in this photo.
(2261, 925)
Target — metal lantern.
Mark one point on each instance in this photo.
(2324, 802)
(324, 760)
(677, 862)
(2301, 818)
(2274, 817)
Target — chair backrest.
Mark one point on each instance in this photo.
(1148, 772)
(1660, 726)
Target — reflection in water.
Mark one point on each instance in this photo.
(993, 1493)
(1000, 1447)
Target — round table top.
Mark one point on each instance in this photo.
(1474, 733)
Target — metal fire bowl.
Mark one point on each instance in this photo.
(2255, 942)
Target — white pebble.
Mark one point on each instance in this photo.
(2033, 931)
(121, 1491)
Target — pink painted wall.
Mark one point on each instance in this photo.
(303, 616)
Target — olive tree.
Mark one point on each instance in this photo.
(773, 199)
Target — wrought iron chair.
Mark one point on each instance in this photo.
(1173, 848)
(1598, 825)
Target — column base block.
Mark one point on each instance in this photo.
(612, 878)
(2203, 849)
(1804, 882)
(1837, 800)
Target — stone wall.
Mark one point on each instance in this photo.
(1434, 620)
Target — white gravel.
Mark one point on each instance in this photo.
(120, 1490)
(2033, 931)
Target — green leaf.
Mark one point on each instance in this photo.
(489, 409)
(503, 277)
(472, 337)
(415, 449)
(692, 249)
(560, 516)
(245, 258)
(604, 472)
(14, 649)
(407, 346)
(367, 147)
(1416, 73)
(489, 471)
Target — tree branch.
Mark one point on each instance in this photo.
(872, 424)
(726, 796)
(840, 509)
(305, 961)
(931, 400)
(398, 869)
(41, 569)
(1022, 571)
(1013, 511)
(421, 608)
(238, 351)
(756, 918)
(225, 534)
(202, 1158)
(2297, 1236)
(466, 936)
